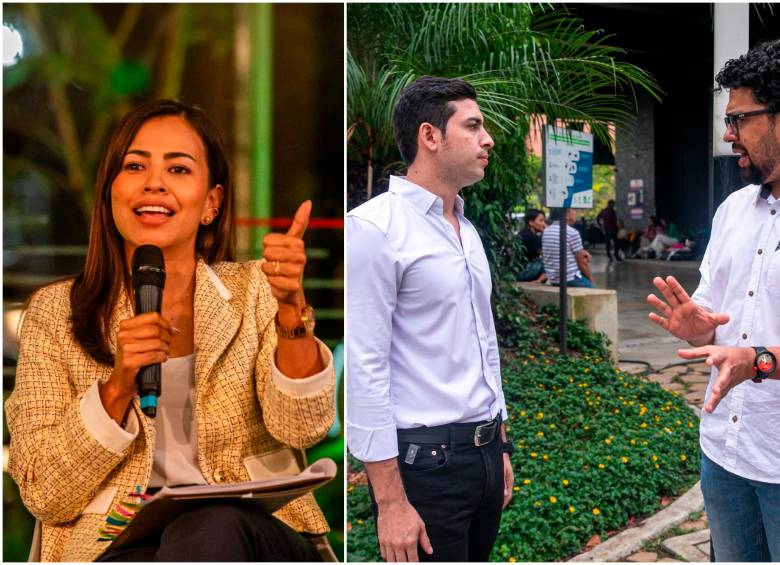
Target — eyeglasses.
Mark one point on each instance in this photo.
(732, 120)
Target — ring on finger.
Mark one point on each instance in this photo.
(276, 267)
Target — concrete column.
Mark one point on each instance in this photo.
(732, 30)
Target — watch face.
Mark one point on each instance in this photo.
(765, 363)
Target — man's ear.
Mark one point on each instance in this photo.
(428, 136)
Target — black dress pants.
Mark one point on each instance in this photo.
(458, 491)
(228, 530)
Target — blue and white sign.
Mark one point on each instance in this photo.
(568, 168)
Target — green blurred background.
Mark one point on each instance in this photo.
(271, 78)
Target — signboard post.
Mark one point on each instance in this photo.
(568, 183)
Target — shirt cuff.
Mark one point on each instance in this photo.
(308, 385)
(102, 427)
(376, 444)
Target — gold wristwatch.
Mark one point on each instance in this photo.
(305, 328)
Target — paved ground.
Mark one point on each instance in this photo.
(641, 340)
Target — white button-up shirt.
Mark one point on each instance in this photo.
(421, 344)
(740, 275)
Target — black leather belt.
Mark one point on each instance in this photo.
(468, 433)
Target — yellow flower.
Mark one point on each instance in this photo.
(596, 511)
(586, 370)
(633, 442)
(624, 459)
(607, 441)
(360, 522)
(527, 481)
(512, 559)
(546, 457)
(539, 415)
(522, 412)
(616, 411)
(657, 466)
(542, 353)
(601, 465)
(540, 434)
(553, 500)
(572, 509)
(683, 457)
(351, 488)
(537, 504)
(533, 455)
(690, 424)
(643, 425)
(654, 458)
(565, 482)
(516, 488)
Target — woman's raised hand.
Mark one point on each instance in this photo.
(285, 258)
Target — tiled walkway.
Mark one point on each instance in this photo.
(647, 347)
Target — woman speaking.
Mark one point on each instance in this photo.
(243, 378)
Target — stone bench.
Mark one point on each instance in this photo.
(597, 307)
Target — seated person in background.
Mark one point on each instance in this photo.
(577, 259)
(661, 240)
(531, 235)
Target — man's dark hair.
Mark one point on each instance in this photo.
(427, 99)
(759, 70)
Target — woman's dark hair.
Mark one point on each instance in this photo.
(96, 290)
(531, 214)
(759, 70)
(427, 99)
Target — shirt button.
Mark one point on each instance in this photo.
(218, 476)
(750, 293)
(744, 336)
(760, 251)
(773, 212)
(734, 419)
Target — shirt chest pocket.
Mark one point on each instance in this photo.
(773, 274)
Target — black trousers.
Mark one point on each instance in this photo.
(232, 530)
(458, 492)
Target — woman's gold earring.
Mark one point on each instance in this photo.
(207, 220)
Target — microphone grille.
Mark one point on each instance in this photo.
(148, 266)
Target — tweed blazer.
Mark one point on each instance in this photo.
(60, 466)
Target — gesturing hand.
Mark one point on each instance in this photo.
(735, 366)
(399, 530)
(681, 316)
(285, 258)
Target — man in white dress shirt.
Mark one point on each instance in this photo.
(733, 319)
(424, 382)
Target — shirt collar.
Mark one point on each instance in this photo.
(764, 192)
(419, 197)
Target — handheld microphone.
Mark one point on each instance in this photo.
(148, 283)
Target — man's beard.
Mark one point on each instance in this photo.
(768, 151)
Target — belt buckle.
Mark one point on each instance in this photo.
(478, 440)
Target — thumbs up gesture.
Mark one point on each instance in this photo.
(285, 258)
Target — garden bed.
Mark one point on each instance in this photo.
(596, 448)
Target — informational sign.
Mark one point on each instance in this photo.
(568, 168)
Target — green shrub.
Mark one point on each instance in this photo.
(594, 446)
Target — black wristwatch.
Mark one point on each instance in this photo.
(764, 364)
(507, 447)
